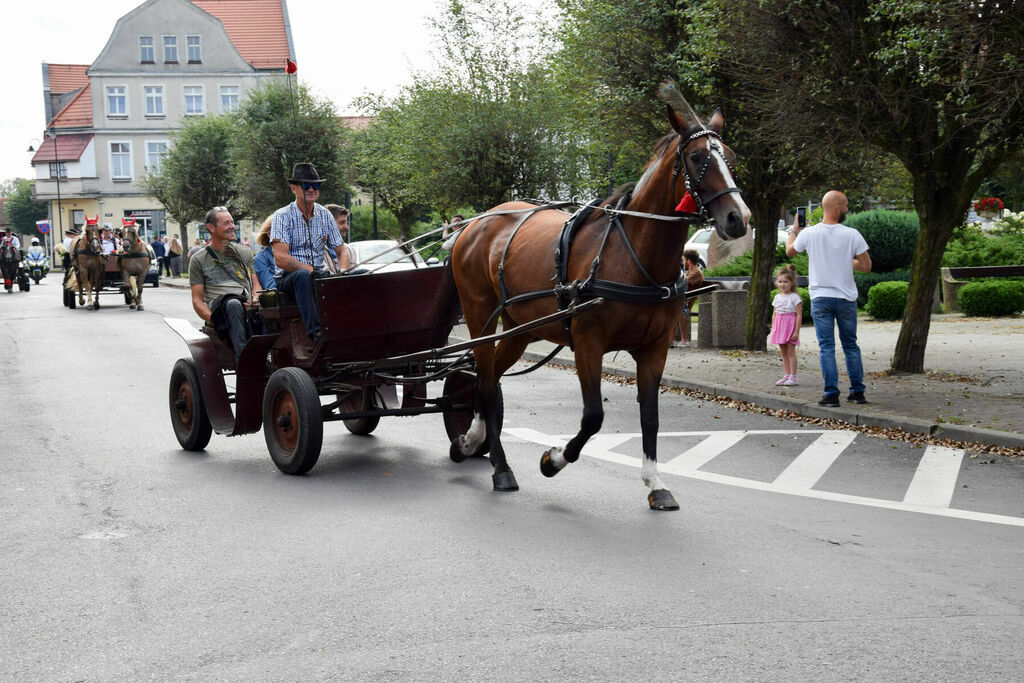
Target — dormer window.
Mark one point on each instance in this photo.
(170, 49)
(195, 51)
(146, 49)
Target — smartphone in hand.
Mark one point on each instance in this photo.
(801, 216)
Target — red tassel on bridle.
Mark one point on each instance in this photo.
(687, 204)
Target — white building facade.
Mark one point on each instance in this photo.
(166, 61)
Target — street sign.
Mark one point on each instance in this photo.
(43, 226)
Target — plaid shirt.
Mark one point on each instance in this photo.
(290, 227)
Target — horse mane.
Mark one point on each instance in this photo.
(620, 192)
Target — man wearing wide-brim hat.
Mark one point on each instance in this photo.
(300, 234)
(65, 254)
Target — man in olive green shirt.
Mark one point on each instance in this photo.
(223, 280)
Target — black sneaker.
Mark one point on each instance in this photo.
(856, 397)
(829, 402)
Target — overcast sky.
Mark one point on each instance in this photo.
(343, 49)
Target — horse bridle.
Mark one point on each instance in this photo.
(714, 149)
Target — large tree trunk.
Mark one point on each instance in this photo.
(759, 312)
(937, 224)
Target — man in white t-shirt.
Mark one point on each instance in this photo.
(834, 251)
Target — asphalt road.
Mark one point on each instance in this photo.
(797, 555)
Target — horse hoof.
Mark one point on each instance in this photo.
(455, 453)
(139, 307)
(662, 499)
(131, 307)
(504, 481)
(547, 465)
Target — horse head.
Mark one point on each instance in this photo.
(91, 233)
(705, 164)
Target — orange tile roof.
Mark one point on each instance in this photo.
(256, 27)
(69, 148)
(65, 78)
(77, 113)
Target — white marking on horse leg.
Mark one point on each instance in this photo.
(649, 473)
(471, 440)
(556, 455)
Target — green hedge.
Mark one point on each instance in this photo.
(891, 237)
(991, 297)
(972, 247)
(886, 300)
(805, 296)
(865, 281)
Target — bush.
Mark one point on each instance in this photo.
(865, 281)
(744, 264)
(891, 237)
(886, 300)
(970, 246)
(992, 297)
(805, 296)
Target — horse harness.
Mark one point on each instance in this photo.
(714, 149)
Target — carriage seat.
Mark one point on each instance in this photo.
(275, 305)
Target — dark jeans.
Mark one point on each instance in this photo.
(235, 313)
(300, 286)
(828, 313)
(165, 265)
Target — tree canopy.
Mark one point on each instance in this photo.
(21, 210)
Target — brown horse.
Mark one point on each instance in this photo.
(634, 239)
(133, 260)
(88, 260)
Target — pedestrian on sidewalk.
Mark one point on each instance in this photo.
(166, 260)
(174, 249)
(789, 308)
(694, 279)
(834, 251)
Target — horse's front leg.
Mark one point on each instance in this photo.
(588, 369)
(649, 368)
(485, 422)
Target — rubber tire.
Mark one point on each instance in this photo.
(362, 426)
(457, 422)
(72, 299)
(191, 426)
(65, 296)
(293, 385)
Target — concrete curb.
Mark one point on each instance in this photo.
(170, 284)
(862, 417)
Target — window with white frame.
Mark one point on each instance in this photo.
(229, 98)
(193, 100)
(120, 160)
(146, 49)
(61, 168)
(171, 49)
(195, 52)
(155, 151)
(117, 101)
(154, 99)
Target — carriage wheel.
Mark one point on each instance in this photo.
(188, 409)
(361, 426)
(127, 298)
(293, 423)
(72, 299)
(65, 296)
(461, 387)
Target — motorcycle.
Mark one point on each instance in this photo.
(38, 265)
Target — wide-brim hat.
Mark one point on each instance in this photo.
(74, 230)
(305, 173)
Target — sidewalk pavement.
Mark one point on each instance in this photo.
(972, 391)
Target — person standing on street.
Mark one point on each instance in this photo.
(300, 235)
(160, 254)
(174, 250)
(834, 251)
(223, 281)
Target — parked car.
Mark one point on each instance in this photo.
(699, 242)
(153, 275)
(398, 259)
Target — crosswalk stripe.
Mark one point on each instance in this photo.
(810, 466)
(935, 479)
(703, 453)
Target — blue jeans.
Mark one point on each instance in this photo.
(300, 286)
(828, 312)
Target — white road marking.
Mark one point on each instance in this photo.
(941, 477)
(707, 450)
(811, 465)
(935, 479)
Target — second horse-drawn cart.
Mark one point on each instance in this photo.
(380, 331)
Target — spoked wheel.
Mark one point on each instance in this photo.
(355, 401)
(293, 423)
(461, 387)
(188, 409)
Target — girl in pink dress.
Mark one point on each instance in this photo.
(786, 322)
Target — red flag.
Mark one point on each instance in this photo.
(291, 68)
